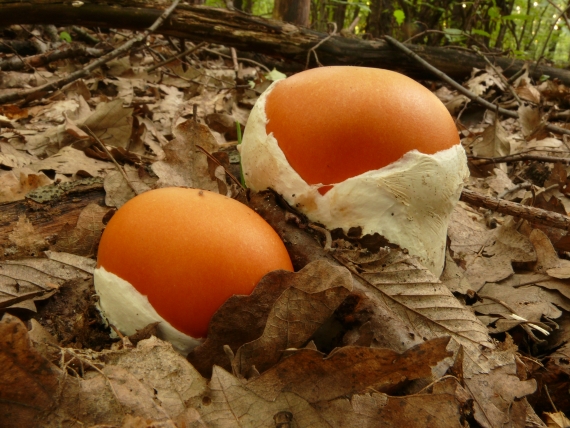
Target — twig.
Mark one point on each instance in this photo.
(175, 57)
(240, 59)
(465, 91)
(532, 214)
(479, 160)
(314, 48)
(232, 177)
(51, 86)
(121, 170)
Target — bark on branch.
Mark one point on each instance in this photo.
(254, 34)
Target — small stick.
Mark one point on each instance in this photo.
(532, 214)
(121, 170)
(479, 160)
(314, 48)
(465, 91)
(175, 57)
(232, 177)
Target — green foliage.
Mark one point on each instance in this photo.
(400, 16)
(65, 36)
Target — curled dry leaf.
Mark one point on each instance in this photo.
(348, 370)
(296, 315)
(245, 319)
(549, 263)
(442, 409)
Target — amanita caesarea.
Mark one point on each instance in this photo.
(360, 147)
(175, 255)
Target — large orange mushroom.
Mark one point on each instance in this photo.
(175, 255)
(360, 147)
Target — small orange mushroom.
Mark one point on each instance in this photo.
(187, 251)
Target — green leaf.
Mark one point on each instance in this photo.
(517, 17)
(400, 16)
(274, 75)
(494, 12)
(480, 33)
(454, 32)
(65, 36)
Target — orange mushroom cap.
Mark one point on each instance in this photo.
(188, 251)
(333, 123)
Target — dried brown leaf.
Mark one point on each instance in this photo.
(348, 370)
(83, 239)
(184, 164)
(243, 319)
(417, 296)
(111, 123)
(29, 382)
(228, 403)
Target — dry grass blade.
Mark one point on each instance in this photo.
(420, 299)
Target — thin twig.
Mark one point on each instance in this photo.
(57, 84)
(175, 57)
(235, 180)
(465, 91)
(314, 48)
(480, 160)
(121, 170)
(532, 214)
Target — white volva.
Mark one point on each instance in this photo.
(114, 291)
(407, 202)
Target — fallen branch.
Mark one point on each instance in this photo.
(531, 214)
(479, 160)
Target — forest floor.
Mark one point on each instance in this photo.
(354, 337)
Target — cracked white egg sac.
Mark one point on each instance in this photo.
(408, 202)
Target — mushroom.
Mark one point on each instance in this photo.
(360, 147)
(175, 255)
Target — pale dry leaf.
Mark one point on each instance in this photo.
(10, 157)
(168, 108)
(492, 143)
(500, 182)
(111, 123)
(442, 409)
(184, 164)
(497, 395)
(529, 118)
(295, 316)
(33, 279)
(25, 238)
(528, 92)
(118, 191)
(556, 420)
(428, 307)
(453, 277)
(482, 81)
(69, 161)
(467, 231)
(529, 302)
(49, 142)
(228, 403)
(348, 370)
(504, 247)
(72, 260)
(157, 366)
(15, 184)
